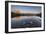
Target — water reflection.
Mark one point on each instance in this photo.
(25, 21)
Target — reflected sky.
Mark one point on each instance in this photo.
(25, 21)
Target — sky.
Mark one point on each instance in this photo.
(26, 8)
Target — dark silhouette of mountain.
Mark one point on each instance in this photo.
(17, 14)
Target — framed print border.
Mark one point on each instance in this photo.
(6, 15)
